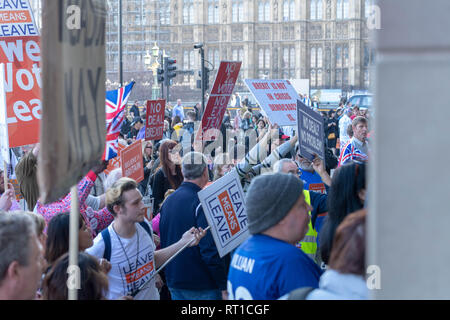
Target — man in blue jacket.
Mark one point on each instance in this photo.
(196, 273)
(268, 265)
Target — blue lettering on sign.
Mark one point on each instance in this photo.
(10, 30)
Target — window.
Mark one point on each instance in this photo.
(313, 58)
(288, 63)
(192, 60)
(319, 77)
(316, 10)
(188, 11)
(267, 11)
(264, 61)
(264, 10)
(213, 11)
(164, 17)
(238, 55)
(185, 60)
(319, 9)
(237, 11)
(338, 57)
(346, 9)
(313, 78)
(342, 64)
(345, 61)
(288, 10)
(368, 8)
(338, 78)
(316, 66)
(213, 58)
(342, 9)
(267, 58)
(319, 58)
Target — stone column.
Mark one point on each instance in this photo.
(409, 180)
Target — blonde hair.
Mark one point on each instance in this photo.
(112, 177)
(166, 195)
(114, 195)
(39, 222)
(219, 161)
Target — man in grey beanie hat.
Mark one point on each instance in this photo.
(269, 199)
(268, 265)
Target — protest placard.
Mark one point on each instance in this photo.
(4, 141)
(115, 163)
(154, 126)
(20, 52)
(311, 134)
(218, 100)
(16, 19)
(16, 186)
(277, 98)
(224, 207)
(73, 95)
(133, 161)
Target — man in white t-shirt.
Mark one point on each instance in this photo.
(130, 247)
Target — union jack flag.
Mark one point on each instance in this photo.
(116, 101)
(351, 153)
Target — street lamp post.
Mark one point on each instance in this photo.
(154, 67)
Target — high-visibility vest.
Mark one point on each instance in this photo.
(309, 244)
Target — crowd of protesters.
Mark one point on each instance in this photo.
(306, 216)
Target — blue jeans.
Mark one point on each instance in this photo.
(183, 294)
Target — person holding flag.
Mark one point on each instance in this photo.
(116, 101)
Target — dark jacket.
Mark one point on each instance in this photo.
(199, 267)
(160, 185)
(135, 111)
(319, 204)
(126, 127)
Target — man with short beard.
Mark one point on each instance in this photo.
(312, 180)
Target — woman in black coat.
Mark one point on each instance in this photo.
(169, 175)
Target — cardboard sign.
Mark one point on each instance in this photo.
(133, 162)
(154, 126)
(115, 163)
(218, 100)
(16, 19)
(277, 98)
(224, 207)
(311, 132)
(73, 121)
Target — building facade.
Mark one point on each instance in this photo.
(326, 41)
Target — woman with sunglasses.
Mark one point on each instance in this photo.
(169, 175)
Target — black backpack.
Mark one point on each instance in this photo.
(107, 238)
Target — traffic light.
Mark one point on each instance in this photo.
(169, 70)
(160, 73)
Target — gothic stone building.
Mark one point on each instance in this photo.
(326, 41)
